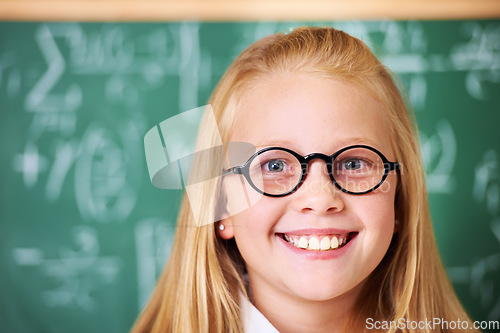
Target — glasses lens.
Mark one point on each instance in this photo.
(358, 170)
(275, 172)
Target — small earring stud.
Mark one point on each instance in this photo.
(221, 227)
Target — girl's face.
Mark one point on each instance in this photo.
(311, 115)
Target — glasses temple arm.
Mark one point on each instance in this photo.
(232, 171)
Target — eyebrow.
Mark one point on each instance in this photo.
(338, 145)
(276, 142)
(356, 141)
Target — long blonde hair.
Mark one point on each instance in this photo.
(199, 288)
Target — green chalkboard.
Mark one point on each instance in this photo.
(83, 233)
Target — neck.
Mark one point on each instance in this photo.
(289, 313)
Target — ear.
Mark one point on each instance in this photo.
(228, 231)
(396, 226)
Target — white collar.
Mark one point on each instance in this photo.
(253, 320)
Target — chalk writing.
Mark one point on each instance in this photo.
(76, 272)
(77, 99)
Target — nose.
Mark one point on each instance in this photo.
(317, 194)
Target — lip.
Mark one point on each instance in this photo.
(317, 255)
(316, 231)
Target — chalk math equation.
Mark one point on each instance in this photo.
(85, 234)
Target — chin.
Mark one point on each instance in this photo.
(322, 291)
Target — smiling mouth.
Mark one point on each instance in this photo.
(318, 242)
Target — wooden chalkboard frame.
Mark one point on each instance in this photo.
(244, 10)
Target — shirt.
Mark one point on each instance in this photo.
(253, 320)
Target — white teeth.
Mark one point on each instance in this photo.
(316, 243)
(334, 242)
(313, 243)
(325, 243)
(303, 242)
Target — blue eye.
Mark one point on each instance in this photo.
(352, 164)
(275, 165)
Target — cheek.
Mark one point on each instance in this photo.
(378, 216)
(253, 231)
(377, 213)
(241, 197)
(381, 204)
(256, 225)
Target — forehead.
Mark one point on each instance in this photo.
(310, 114)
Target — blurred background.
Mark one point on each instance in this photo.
(84, 234)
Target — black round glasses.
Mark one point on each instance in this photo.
(277, 171)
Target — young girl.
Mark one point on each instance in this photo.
(337, 235)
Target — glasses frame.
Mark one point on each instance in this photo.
(304, 163)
